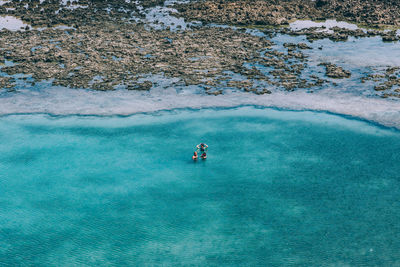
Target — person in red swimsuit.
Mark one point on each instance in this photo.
(195, 156)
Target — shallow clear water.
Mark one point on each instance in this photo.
(278, 188)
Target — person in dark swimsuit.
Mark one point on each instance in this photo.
(202, 147)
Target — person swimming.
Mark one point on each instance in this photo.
(202, 147)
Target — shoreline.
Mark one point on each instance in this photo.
(338, 107)
(178, 111)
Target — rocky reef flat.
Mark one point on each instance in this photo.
(104, 56)
(102, 50)
(111, 45)
(274, 12)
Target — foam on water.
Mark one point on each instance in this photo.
(56, 100)
(11, 23)
(328, 24)
(278, 188)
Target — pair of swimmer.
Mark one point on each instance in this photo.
(202, 148)
(196, 156)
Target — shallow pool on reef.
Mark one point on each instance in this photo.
(278, 188)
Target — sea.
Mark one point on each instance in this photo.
(92, 178)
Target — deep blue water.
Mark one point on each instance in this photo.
(278, 188)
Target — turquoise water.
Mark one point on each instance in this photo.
(278, 188)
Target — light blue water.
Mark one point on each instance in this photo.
(278, 188)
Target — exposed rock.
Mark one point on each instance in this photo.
(123, 53)
(390, 37)
(143, 86)
(51, 13)
(6, 82)
(380, 88)
(263, 91)
(334, 71)
(385, 81)
(107, 49)
(273, 12)
(303, 46)
(211, 91)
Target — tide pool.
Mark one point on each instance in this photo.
(278, 188)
